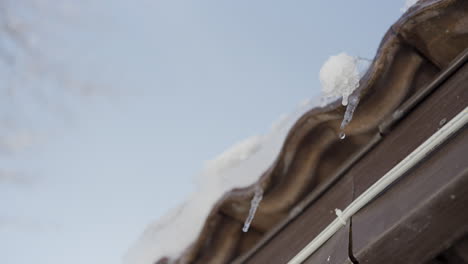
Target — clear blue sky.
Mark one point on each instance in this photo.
(172, 83)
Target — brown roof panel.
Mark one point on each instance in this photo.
(416, 48)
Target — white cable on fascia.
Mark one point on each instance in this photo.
(396, 172)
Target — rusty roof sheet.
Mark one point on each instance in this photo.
(424, 41)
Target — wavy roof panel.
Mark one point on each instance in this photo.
(424, 41)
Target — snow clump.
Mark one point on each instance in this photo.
(239, 166)
(340, 76)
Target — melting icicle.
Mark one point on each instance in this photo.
(348, 116)
(258, 196)
(340, 77)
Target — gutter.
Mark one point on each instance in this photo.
(426, 148)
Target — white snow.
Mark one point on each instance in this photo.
(239, 166)
(408, 4)
(340, 76)
(233, 156)
(256, 199)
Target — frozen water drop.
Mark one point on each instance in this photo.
(342, 135)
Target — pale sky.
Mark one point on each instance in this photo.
(110, 111)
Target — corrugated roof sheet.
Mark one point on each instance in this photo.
(424, 41)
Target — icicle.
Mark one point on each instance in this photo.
(258, 196)
(339, 77)
(348, 116)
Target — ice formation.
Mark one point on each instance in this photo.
(257, 198)
(348, 116)
(408, 4)
(239, 166)
(340, 77)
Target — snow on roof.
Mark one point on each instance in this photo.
(239, 166)
(340, 76)
(307, 136)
